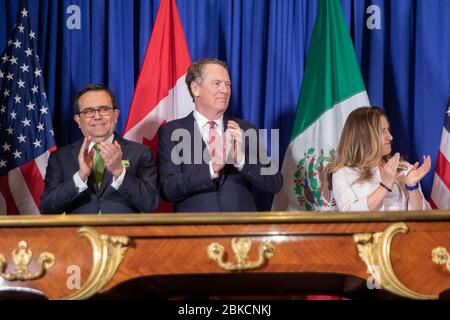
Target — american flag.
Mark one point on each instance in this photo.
(26, 134)
(440, 194)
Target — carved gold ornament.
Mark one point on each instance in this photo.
(375, 250)
(440, 256)
(108, 252)
(241, 247)
(22, 256)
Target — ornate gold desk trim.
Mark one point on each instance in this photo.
(22, 258)
(375, 251)
(241, 247)
(108, 253)
(281, 217)
(441, 256)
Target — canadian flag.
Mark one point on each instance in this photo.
(161, 94)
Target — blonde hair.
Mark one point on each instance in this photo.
(360, 145)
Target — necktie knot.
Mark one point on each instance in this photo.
(212, 124)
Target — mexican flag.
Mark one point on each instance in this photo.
(332, 88)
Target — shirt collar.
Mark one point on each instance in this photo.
(110, 140)
(202, 121)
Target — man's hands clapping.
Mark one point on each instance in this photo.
(110, 153)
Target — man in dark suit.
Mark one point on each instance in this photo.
(204, 162)
(102, 173)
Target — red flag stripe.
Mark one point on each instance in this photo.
(443, 169)
(432, 204)
(168, 48)
(34, 181)
(11, 208)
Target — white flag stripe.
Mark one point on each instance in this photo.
(21, 194)
(178, 104)
(445, 144)
(440, 194)
(41, 163)
(333, 121)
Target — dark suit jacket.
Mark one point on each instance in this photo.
(190, 186)
(138, 192)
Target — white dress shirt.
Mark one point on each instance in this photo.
(352, 196)
(116, 183)
(203, 126)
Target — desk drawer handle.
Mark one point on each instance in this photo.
(241, 247)
(22, 256)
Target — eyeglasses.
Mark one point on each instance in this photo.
(102, 110)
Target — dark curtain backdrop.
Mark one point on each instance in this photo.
(405, 64)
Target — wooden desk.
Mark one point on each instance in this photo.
(262, 254)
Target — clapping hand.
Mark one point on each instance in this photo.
(234, 142)
(389, 171)
(85, 159)
(418, 172)
(112, 155)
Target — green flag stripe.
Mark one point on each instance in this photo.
(332, 74)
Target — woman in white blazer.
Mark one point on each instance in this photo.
(365, 176)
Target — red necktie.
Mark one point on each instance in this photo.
(212, 141)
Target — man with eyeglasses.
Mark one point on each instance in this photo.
(101, 173)
(225, 178)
